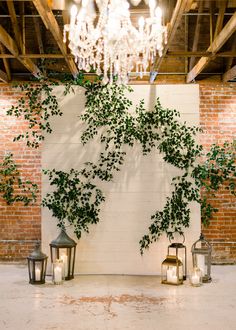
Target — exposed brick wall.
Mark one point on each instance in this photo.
(218, 120)
(19, 225)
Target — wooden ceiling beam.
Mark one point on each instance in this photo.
(215, 46)
(179, 10)
(220, 18)
(196, 33)
(16, 30)
(5, 62)
(169, 54)
(230, 74)
(51, 22)
(10, 44)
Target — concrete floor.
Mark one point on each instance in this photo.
(116, 303)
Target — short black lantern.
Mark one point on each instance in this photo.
(179, 250)
(201, 252)
(63, 248)
(37, 265)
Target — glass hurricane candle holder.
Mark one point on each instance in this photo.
(58, 272)
(196, 277)
(201, 253)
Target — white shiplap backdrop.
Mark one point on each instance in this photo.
(112, 246)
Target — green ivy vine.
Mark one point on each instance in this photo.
(76, 198)
(11, 180)
(37, 105)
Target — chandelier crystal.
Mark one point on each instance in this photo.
(109, 44)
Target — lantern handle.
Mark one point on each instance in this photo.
(171, 238)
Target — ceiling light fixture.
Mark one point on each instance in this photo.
(109, 44)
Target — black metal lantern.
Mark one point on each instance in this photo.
(201, 252)
(172, 271)
(63, 248)
(179, 250)
(37, 265)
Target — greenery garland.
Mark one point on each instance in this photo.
(107, 115)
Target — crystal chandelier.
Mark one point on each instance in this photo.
(109, 44)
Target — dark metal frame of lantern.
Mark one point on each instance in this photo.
(37, 265)
(202, 258)
(172, 271)
(64, 246)
(180, 253)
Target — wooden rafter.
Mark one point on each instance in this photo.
(220, 19)
(51, 23)
(10, 44)
(5, 62)
(179, 10)
(16, 30)
(196, 33)
(3, 77)
(215, 46)
(230, 74)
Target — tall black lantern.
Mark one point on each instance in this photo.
(37, 265)
(201, 252)
(179, 250)
(63, 248)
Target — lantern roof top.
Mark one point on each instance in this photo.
(63, 241)
(37, 254)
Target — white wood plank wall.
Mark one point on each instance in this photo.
(112, 246)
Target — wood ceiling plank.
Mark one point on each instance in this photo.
(230, 74)
(37, 31)
(48, 17)
(5, 62)
(179, 10)
(215, 46)
(10, 44)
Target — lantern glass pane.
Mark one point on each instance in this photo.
(38, 270)
(180, 253)
(201, 263)
(63, 255)
(55, 254)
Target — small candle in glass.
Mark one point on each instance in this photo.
(196, 277)
(58, 272)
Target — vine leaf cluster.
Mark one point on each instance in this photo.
(75, 200)
(12, 181)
